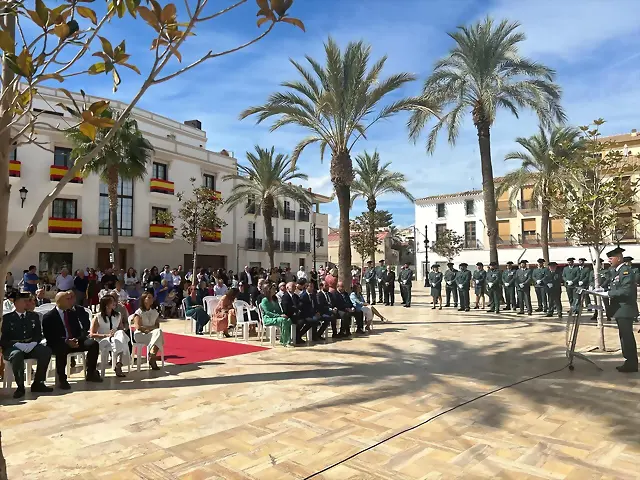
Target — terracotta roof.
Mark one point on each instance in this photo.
(621, 137)
(451, 195)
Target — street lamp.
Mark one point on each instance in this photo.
(315, 240)
(23, 195)
(618, 235)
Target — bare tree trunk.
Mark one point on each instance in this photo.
(599, 302)
(6, 116)
(371, 206)
(488, 188)
(267, 213)
(194, 256)
(113, 209)
(544, 231)
(342, 177)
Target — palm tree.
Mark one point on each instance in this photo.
(539, 169)
(124, 157)
(484, 72)
(337, 103)
(267, 181)
(372, 181)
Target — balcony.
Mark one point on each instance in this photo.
(250, 209)
(528, 205)
(253, 243)
(304, 247)
(161, 233)
(56, 173)
(319, 242)
(68, 227)
(529, 239)
(627, 234)
(289, 246)
(507, 241)
(275, 214)
(165, 187)
(558, 239)
(303, 216)
(472, 244)
(505, 209)
(289, 215)
(210, 236)
(277, 245)
(14, 168)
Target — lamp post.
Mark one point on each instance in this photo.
(23, 195)
(426, 254)
(618, 235)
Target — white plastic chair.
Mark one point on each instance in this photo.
(241, 307)
(79, 356)
(138, 350)
(210, 303)
(8, 379)
(188, 320)
(271, 329)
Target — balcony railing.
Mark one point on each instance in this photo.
(529, 239)
(157, 185)
(275, 214)
(65, 225)
(250, 209)
(628, 233)
(254, 243)
(289, 215)
(528, 205)
(157, 230)
(289, 246)
(304, 247)
(507, 241)
(15, 168)
(472, 244)
(303, 216)
(56, 173)
(504, 208)
(319, 242)
(277, 245)
(558, 238)
(212, 236)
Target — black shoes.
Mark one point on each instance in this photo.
(93, 377)
(19, 393)
(626, 368)
(64, 385)
(40, 387)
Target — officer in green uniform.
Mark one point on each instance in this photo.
(623, 306)
(570, 275)
(494, 287)
(538, 275)
(523, 284)
(406, 282)
(451, 287)
(435, 280)
(509, 283)
(463, 282)
(370, 281)
(381, 271)
(585, 280)
(553, 282)
(479, 282)
(628, 261)
(605, 281)
(20, 340)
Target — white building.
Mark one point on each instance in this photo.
(76, 230)
(461, 212)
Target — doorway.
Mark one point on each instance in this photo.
(301, 262)
(103, 258)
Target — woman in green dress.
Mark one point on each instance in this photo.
(194, 309)
(272, 314)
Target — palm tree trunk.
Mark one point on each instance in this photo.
(342, 177)
(371, 206)
(267, 213)
(488, 189)
(544, 231)
(112, 187)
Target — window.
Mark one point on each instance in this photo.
(287, 205)
(529, 226)
(504, 231)
(159, 171)
(209, 181)
(13, 155)
(125, 209)
(469, 207)
(440, 228)
(556, 229)
(319, 237)
(287, 234)
(441, 210)
(251, 230)
(624, 222)
(470, 234)
(155, 215)
(303, 235)
(64, 208)
(52, 263)
(62, 157)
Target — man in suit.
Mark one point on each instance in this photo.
(623, 307)
(248, 279)
(389, 280)
(570, 275)
(451, 287)
(380, 273)
(290, 304)
(509, 284)
(20, 340)
(326, 306)
(463, 281)
(523, 284)
(311, 312)
(370, 280)
(359, 316)
(552, 281)
(65, 334)
(538, 275)
(406, 282)
(344, 312)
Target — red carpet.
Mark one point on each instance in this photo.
(185, 350)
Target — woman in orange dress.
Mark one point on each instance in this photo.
(225, 313)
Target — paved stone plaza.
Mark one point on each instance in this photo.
(288, 413)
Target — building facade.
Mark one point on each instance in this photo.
(520, 221)
(75, 231)
(385, 250)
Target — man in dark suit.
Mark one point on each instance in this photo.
(310, 310)
(247, 277)
(290, 304)
(20, 339)
(326, 307)
(389, 281)
(359, 316)
(64, 333)
(345, 312)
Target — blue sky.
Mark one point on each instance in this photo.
(593, 45)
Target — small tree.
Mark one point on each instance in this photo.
(448, 245)
(595, 187)
(198, 216)
(363, 243)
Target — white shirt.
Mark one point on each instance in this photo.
(176, 280)
(249, 279)
(64, 283)
(302, 274)
(280, 294)
(168, 276)
(104, 328)
(123, 295)
(128, 281)
(220, 290)
(148, 318)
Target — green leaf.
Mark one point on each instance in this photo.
(116, 80)
(132, 6)
(132, 67)
(86, 12)
(97, 68)
(88, 130)
(106, 46)
(42, 11)
(294, 21)
(7, 43)
(48, 76)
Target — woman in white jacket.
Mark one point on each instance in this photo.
(107, 329)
